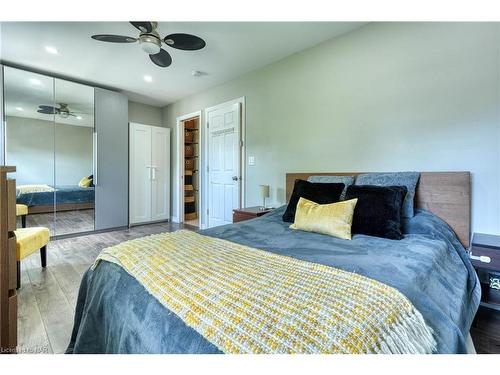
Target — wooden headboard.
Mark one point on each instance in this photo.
(445, 194)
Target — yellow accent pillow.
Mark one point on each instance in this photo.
(85, 182)
(334, 219)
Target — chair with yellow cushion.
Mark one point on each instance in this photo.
(30, 240)
(22, 210)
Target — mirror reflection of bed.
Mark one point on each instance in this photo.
(73, 210)
(50, 140)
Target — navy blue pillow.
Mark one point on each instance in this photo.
(321, 193)
(378, 211)
(408, 179)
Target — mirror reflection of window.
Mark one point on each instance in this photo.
(49, 138)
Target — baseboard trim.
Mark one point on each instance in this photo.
(149, 222)
(87, 233)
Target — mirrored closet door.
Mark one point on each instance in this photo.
(49, 132)
(74, 157)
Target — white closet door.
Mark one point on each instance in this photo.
(160, 168)
(223, 164)
(140, 173)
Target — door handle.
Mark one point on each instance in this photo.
(235, 178)
(154, 173)
(94, 159)
(149, 172)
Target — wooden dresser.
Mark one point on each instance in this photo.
(8, 275)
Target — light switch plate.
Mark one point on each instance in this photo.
(251, 160)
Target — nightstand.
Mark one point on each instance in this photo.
(485, 330)
(248, 213)
(486, 247)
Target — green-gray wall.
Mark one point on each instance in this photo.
(385, 97)
(38, 149)
(144, 114)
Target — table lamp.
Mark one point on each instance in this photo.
(264, 193)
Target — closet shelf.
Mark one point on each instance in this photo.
(191, 153)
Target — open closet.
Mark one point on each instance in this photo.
(191, 131)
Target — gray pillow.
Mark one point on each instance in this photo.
(346, 180)
(408, 179)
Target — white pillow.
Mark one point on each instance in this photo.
(25, 189)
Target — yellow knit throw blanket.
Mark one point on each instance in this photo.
(245, 300)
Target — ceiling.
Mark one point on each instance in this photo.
(25, 92)
(233, 48)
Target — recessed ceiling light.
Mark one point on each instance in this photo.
(198, 73)
(35, 81)
(51, 50)
(19, 109)
(148, 78)
(79, 117)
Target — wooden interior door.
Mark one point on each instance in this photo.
(140, 173)
(160, 173)
(224, 176)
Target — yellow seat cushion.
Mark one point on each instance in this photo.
(334, 219)
(30, 240)
(21, 209)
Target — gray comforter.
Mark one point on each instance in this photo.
(115, 314)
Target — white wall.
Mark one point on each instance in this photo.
(30, 147)
(144, 114)
(385, 97)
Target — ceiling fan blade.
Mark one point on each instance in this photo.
(46, 112)
(186, 42)
(143, 26)
(114, 38)
(162, 58)
(47, 109)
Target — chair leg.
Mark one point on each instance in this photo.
(23, 221)
(18, 274)
(43, 256)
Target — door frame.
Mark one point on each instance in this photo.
(179, 168)
(204, 150)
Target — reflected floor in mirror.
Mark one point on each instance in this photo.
(65, 221)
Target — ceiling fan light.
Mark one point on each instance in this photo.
(150, 43)
(150, 47)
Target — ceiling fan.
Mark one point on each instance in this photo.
(62, 110)
(150, 42)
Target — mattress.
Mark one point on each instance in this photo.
(115, 314)
(62, 195)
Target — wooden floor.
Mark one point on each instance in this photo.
(47, 297)
(485, 331)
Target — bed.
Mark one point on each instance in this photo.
(66, 198)
(430, 266)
